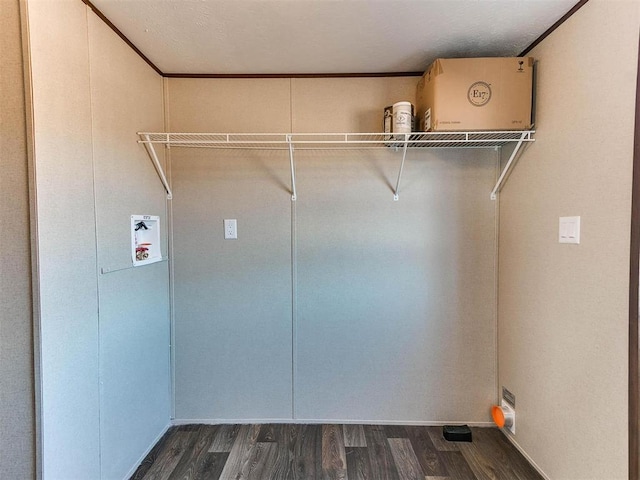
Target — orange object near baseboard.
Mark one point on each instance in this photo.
(498, 415)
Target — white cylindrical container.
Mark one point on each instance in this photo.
(402, 114)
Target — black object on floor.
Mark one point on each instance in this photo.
(456, 433)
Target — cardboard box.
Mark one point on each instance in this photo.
(476, 94)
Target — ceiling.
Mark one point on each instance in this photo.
(326, 36)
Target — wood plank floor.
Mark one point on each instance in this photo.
(331, 452)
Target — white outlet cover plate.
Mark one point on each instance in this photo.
(569, 230)
(230, 229)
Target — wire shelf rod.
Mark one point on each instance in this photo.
(338, 141)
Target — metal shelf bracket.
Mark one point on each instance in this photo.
(156, 163)
(507, 167)
(293, 169)
(404, 155)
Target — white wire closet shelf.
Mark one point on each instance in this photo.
(318, 141)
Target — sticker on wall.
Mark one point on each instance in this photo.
(145, 239)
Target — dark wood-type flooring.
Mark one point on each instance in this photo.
(327, 452)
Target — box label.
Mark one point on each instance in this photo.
(479, 94)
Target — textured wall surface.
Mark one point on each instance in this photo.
(343, 305)
(66, 232)
(134, 332)
(232, 298)
(563, 310)
(104, 350)
(17, 422)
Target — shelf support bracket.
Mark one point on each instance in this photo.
(293, 169)
(507, 167)
(404, 155)
(156, 163)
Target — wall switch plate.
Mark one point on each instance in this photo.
(569, 230)
(230, 229)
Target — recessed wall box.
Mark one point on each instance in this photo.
(145, 239)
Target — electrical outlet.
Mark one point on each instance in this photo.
(230, 229)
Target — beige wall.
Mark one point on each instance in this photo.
(563, 309)
(104, 325)
(17, 422)
(368, 297)
(63, 170)
(127, 97)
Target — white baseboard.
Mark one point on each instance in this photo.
(233, 421)
(146, 452)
